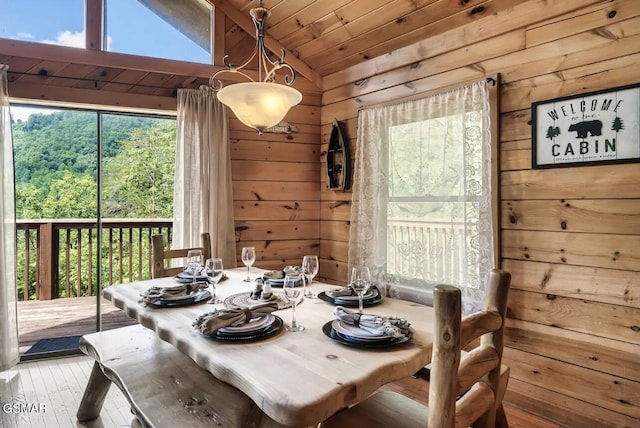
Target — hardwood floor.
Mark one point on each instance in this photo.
(54, 387)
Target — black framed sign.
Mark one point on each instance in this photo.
(601, 127)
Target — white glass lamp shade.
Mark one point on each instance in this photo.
(259, 105)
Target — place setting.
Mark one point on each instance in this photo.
(360, 292)
(367, 330)
(240, 323)
(196, 284)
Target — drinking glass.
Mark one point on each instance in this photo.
(248, 258)
(294, 293)
(310, 268)
(214, 269)
(360, 281)
(194, 261)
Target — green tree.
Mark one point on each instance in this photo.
(138, 181)
(617, 124)
(72, 196)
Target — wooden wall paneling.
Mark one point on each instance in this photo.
(598, 319)
(619, 216)
(514, 160)
(515, 125)
(335, 230)
(274, 151)
(280, 250)
(621, 180)
(335, 251)
(617, 287)
(38, 74)
(462, 57)
(601, 389)
(566, 410)
(597, 16)
(582, 249)
(281, 230)
(276, 210)
(333, 271)
(249, 190)
(596, 353)
(336, 210)
(279, 171)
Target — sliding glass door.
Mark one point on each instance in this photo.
(91, 187)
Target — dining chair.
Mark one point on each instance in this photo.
(466, 388)
(161, 257)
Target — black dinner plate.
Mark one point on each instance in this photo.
(367, 301)
(191, 299)
(269, 331)
(328, 330)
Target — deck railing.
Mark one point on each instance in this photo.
(58, 258)
(426, 250)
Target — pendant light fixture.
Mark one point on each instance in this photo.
(264, 103)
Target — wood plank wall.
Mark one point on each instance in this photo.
(276, 187)
(570, 236)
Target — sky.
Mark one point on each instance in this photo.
(131, 28)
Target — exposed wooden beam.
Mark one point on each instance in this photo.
(46, 52)
(218, 19)
(93, 18)
(110, 100)
(245, 22)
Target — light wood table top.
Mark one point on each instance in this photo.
(298, 379)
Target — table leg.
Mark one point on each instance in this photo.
(94, 395)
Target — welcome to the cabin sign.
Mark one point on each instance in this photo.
(594, 128)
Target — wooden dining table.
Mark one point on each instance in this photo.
(297, 378)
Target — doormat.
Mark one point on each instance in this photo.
(55, 344)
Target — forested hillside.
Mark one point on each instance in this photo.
(56, 158)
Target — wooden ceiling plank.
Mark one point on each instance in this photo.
(312, 31)
(98, 78)
(40, 72)
(498, 23)
(285, 9)
(300, 19)
(413, 27)
(244, 21)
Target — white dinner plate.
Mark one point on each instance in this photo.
(357, 332)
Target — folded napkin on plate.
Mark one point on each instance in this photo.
(348, 291)
(390, 326)
(198, 271)
(211, 322)
(154, 294)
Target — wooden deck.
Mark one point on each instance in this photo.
(39, 319)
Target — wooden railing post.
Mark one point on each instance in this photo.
(47, 287)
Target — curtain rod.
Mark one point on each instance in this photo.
(44, 73)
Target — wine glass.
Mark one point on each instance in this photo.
(194, 262)
(310, 268)
(213, 268)
(248, 258)
(293, 293)
(360, 281)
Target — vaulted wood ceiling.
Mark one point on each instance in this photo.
(321, 37)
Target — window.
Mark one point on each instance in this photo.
(422, 207)
(57, 22)
(179, 29)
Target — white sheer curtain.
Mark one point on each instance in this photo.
(421, 211)
(9, 353)
(203, 196)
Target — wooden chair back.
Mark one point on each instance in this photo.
(160, 258)
(464, 387)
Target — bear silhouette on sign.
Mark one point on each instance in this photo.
(593, 127)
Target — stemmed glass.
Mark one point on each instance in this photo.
(194, 261)
(310, 269)
(248, 258)
(214, 268)
(294, 293)
(360, 281)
